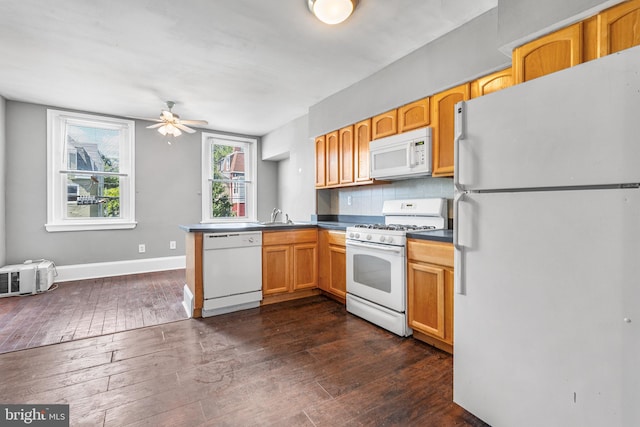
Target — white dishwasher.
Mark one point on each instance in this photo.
(232, 272)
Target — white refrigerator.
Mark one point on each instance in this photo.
(547, 259)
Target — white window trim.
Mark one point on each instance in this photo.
(252, 195)
(56, 205)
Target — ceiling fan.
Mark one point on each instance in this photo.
(170, 123)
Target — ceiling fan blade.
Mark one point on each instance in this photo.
(194, 122)
(184, 128)
(157, 125)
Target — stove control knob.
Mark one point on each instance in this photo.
(357, 235)
(390, 239)
(351, 235)
(368, 236)
(382, 238)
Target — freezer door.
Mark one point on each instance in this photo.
(547, 330)
(575, 127)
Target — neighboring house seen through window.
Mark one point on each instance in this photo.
(228, 184)
(90, 173)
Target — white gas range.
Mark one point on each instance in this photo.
(376, 261)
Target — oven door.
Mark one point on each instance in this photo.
(377, 273)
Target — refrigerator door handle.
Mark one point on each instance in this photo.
(459, 135)
(458, 260)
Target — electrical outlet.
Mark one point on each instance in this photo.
(349, 200)
(172, 244)
(142, 248)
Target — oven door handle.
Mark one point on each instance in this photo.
(356, 244)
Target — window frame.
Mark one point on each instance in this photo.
(251, 171)
(57, 121)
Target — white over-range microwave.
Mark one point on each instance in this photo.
(406, 155)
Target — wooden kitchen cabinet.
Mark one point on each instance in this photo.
(619, 27)
(362, 137)
(492, 83)
(346, 144)
(414, 115)
(548, 54)
(332, 158)
(289, 263)
(430, 292)
(321, 165)
(384, 124)
(332, 263)
(443, 123)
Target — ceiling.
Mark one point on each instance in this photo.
(245, 66)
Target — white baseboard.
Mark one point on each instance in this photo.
(68, 273)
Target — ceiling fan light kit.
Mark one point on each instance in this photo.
(332, 12)
(170, 124)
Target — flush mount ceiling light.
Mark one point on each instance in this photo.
(171, 124)
(332, 11)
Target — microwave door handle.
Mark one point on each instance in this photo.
(410, 157)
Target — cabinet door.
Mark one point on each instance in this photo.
(305, 266)
(384, 124)
(362, 137)
(276, 269)
(414, 115)
(548, 54)
(338, 270)
(426, 298)
(619, 27)
(492, 83)
(443, 116)
(321, 165)
(346, 155)
(333, 156)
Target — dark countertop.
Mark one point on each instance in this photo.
(436, 235)
(241, 226)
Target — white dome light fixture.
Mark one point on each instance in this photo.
(332, 12)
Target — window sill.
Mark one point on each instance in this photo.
(92, 226)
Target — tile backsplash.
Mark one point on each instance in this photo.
(368, 199)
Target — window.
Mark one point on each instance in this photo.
(228, 179)
(90, 172)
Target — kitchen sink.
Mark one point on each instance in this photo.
(278, 223)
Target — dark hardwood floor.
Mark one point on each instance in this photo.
(88, 308)
(298, 363)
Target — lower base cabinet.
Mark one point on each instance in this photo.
(332, 277)
(430, 292)
(289, 261)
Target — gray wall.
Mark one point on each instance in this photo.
(3, 122)
(296, 174)
(168, 191)
(459, 56)
(522, 20)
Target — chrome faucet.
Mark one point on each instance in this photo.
(274, 214)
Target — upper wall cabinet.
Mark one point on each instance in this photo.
(345, 135)
(384, 124)
(548, 54)
(619, 27)
(443, 117)
(492, 83)
(321, 166)
(414, 115)
(362, 137)
(332, 158)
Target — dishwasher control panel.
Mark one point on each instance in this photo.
(232, 240)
